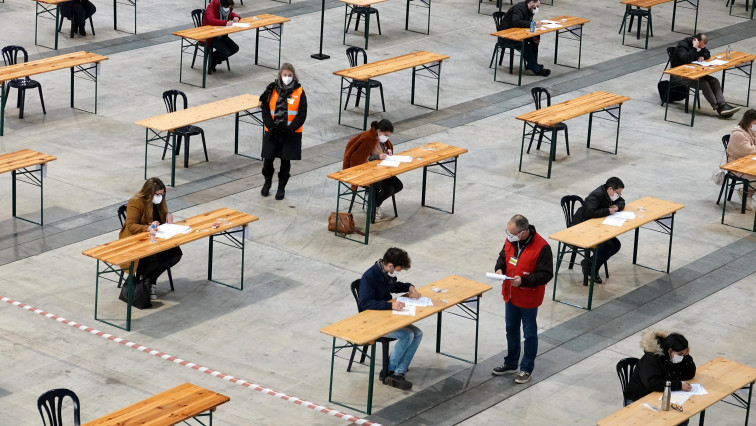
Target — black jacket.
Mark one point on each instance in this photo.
(596, 204)
(518, 16)
(289, 145)
(655, 368)
(544, 270)
(376, 288)
(685, 53)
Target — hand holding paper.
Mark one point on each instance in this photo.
(493, 276)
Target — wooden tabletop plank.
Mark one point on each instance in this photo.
(563, 111)
(367, 326)
(694, 72)
(22, 159)
(646, 4)
(362, 3)
(138, 246)
(166, 408)
(386, 66)
(209, 31)
(200, 113)
(720, 377)
(520, 34)
(370, 172)
(590, 233)
(744, 165)
(53, 63)
(52, 2)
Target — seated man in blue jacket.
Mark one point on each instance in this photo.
(376, 286)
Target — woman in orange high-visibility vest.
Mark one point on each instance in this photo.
(284, 111)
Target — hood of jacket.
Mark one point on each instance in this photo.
(650, 342)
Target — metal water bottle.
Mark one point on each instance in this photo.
(666, 396)
(532, 26)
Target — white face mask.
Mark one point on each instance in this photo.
(535, 10)
(513, 238)
(753, 127)
(287, 79)
(382, 138)
(391, 274)
(157, 199)
(614, 197)
(226, 9)
(677, 358)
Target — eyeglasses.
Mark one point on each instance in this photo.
(676, 407)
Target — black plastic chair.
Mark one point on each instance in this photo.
(197, 15)
(365, 11)
(640, 13)
(728, 2)
(10, 57)
(498, 3)
(570, 205)
(384, 341)
(503, 44)
(68, 14)
(538, 93)
(52, 402)
(625, 368)
(688, 87)
(733, 180)
(352, 54)
(170, 97)
(122, 219)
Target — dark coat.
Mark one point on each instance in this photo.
(376, 288)
(290, 147)
(685, 53)
(596, 204)
(518, 16)
(655, 368)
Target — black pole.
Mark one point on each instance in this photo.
(320, 55)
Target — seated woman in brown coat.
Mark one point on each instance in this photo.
(369, 145)
(145, 209)
(742, 143)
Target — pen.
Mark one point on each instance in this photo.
(647, 405)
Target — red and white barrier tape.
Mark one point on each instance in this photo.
(320, 408)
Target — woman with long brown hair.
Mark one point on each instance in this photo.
(742, 143)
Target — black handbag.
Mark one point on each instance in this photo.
(141, 297)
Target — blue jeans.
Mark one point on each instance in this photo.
(407, 341)
(515, 316)
(630, 401)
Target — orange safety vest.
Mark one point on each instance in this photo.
(293, 106)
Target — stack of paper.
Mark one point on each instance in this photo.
(400, 158)
(614, 221)
(421, 301)
(168, 230)
(241, 25)
(679, 397)
(552, 26)
(624, 215)
(711, 63)
(390, 163)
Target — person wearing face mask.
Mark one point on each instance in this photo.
(145, 209)
(694, 49)
(742, 143)
(519, 16)
(374, 144)
(601, 202)
(220, 13)
(527, 258)
(666, 357)
(284, 111)
(376, 286)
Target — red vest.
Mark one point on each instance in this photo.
(523, 297)
(292, 103)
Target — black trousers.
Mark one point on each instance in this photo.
(268, 169)
(153, 266)
(386, 188)
(223, 47)
(78, 11)
(605, 251)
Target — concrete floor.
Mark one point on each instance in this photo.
(297, 274)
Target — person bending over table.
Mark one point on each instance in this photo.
(284, 111)
(694, 49)
(376, 286)
(145, 209)
(666, 357)
(519, 16)
(742, 143)
(372, 145)
(78, 11)
(220, 13)
(526, 257)
(601, 202)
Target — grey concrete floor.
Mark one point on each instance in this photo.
(297, 274)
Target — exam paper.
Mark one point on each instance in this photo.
(679, 397)
(552, 26)
(241, 25)
(389, 163)
(420, 301)
(548, 21)
(407, 310)
(624, 215)
(614, 221)
(497, 276)
(711, 63)
(400, 158)
(168, 230)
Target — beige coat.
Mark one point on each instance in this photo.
(742, 143)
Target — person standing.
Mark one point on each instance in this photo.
(527, 258)
(520, 16)
(376, 286)
(220, 13)
(374, 144)
(284, 111)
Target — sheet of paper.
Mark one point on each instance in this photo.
(679, 397)
(552, 26)
(497, 276)
(548, 21)
(168, 230)
(389, 163)
(712, 63)
(407, 310)
(421, 301)
(241, 25)
(614, 221)
(624, 215)
(400, 158)
(697, 389)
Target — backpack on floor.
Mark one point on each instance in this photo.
(676, 93)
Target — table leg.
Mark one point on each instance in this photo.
(367, 29)
(173, 158)
(370, 208)
(724, 201)
(57, 20)
(367, 106)
(204, 63)
(580, 45)
(234, 242)
(594, 268)
(41, 196)
(695, 102)
(648, 26)
(371, 378)
(3, 99)
(695, 22)
(701, 418)
(669, 251)
(181, 60)
(439, 319)
(438, 85)
(519, 72)
(590, 126)
(552, 151)
(13, 192)
(522, 145)
(748, 96)
(666, 106)
(115, 16)
(624, 20)
(257, 43)
(346, 13)
(341, 95)
(750, 386)
(477, 328)
(674, 13)
(616, 137)
(330, 381)
(496, 61)
(556, 46)
(406, 16)
(412, 91)
(560, 256)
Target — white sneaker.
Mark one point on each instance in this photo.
(153, 292)
(378, 213)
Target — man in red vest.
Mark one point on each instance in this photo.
(527, 259)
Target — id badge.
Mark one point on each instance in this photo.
(290, 101)
(513, 261)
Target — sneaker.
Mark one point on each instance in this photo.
(378, 213)
(503, 369)
(544, 72)
(727, 110)
(398, 381)
(522, 377)
(153, 292)
(585, 264)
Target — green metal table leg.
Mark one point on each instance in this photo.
(590, 126)
(371, 378)
(635, 246)
(522, 145)
(367, 29)
(674, 13)
(624, 23)
(593, 274)
(556, 46)
(519, 72)
(560, 256)
(666, 106)
(695, 102)
(477, 328)
(367, 106)
(439, 319)
(173, 159)
(236, 133)
(438, 84)
(552, 151)
(41, 196)
(616, 138)
(57, 20)
(669, 251)
(648, 26)
(3, 100)
(330, 381)
(580, 46)
(204, 63)
(13, 191)
(346, 13)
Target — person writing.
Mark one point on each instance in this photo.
(601, 202)
(145, 209)
(519, 16)
(374, 144)
(220, 13)
(526, 257)
(376, 286)
(743, 143)
(666, 357)
(284, 111)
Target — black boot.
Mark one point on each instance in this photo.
(265, 190)
(282, 180)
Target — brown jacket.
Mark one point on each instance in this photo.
(138, 216)
(359, 148)
(742, 143)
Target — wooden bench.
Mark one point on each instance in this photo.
(166, 408)
(127, 251)
(84, 63)
(367, 326)
(592, 103)
(349, 6)
(364, 176)
(570, 26)
(588, 235)
(418, 61)
(648, 4)
(18, 163)
(271, 24)
(241, 106)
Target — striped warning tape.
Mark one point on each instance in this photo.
(280, 395)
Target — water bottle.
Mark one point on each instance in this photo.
(728, 51)
(532, 26)
(153, 233)
(666, 396)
